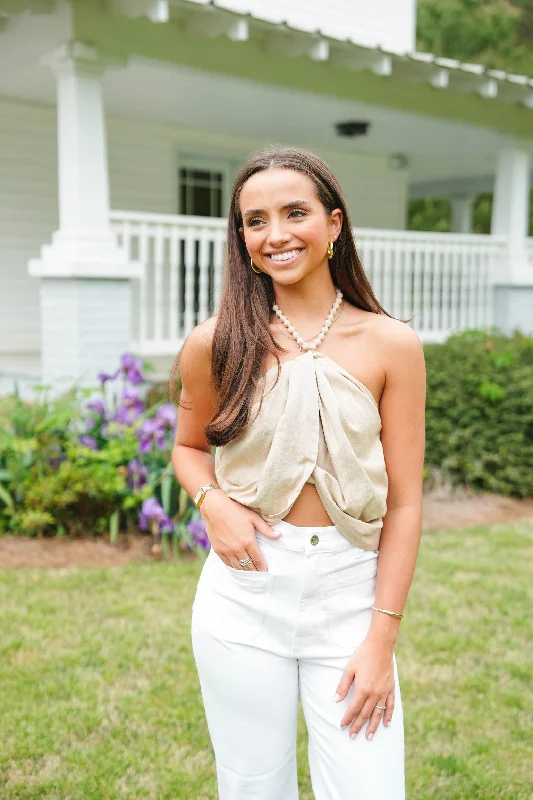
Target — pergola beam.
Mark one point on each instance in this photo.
(210, 19)
(154, 10)
(207, 21)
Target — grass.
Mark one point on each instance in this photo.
(100, 698)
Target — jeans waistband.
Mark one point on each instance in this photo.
(309, 538)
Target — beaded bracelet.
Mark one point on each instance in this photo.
(392, 613)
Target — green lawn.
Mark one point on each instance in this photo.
(99, 696)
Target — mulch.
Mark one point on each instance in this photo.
(443, 509)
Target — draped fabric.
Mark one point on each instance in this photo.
(317, 424)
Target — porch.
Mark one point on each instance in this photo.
(149, 103)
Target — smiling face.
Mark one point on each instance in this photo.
(286, 228)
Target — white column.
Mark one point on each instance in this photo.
(513, 287)
(85, 276)
(461, 206)
(510, 205)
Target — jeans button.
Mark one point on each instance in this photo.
(314, 539)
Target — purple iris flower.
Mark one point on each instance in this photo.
(125, 415)
(166, 525)
(131, 407)
(166, 414)
(97, 404)
(103, 377)
(196, 528)
(147, 433)
(131, 367)
(131, 397)
(89, 441)
(152, 510)
(137, 474)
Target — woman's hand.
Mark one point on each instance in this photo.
(231, 529)
(371, 669)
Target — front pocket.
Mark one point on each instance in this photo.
(350, 594)
(231, 603)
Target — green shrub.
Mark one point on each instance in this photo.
(479, 411)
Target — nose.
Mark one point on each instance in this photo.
(277, 235)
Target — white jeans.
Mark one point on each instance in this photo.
(260, 639)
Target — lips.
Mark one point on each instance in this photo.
(285, 258)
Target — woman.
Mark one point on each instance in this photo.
(304, 587)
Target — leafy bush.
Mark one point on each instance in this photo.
(479, 412)
(91, 462)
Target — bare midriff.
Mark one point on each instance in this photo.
(308, 509)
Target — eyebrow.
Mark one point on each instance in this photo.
(293, 204)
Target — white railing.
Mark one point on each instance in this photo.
(444, 281)
(183, 257)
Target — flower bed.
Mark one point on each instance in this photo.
(95, 461)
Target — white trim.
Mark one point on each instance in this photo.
(212, 17)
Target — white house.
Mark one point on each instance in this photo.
(122, 123)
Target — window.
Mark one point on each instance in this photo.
(201, 191)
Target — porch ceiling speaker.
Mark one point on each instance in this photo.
(352, 128)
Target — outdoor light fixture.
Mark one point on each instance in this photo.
(352, 128)
(398, 161)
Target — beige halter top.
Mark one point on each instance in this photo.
(317, 425)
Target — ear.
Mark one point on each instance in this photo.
(335, 223)
(241, 234)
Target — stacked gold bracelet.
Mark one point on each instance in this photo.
(202, 491)
(384, 610)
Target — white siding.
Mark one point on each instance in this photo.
(143, 159)
(388, 23)
(28, 203)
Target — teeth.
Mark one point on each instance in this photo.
(284, 256)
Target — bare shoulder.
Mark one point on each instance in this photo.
(195, 360)
(395, 338)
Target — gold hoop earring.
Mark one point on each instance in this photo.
(253, 266)
(330, 249)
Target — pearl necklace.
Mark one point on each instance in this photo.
(303, 345)
(281, 328)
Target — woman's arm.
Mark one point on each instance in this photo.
(191, 455)
(230, 526)
(402, 410)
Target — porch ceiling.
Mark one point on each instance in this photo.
(254, 113)
(250, 111)
(436, 149)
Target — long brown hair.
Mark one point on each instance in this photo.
(242, 334)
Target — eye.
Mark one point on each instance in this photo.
(252, 222)
(298, 211)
